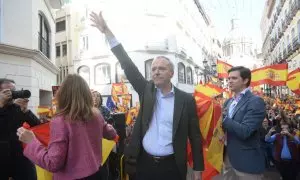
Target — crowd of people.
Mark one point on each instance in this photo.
(260, 132)
(280, 135)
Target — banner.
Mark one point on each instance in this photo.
(275, 75)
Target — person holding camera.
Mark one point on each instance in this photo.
(13, 113)
(286, 153)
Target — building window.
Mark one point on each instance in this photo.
(84, 72)
(57, 51)
(102, 74)
(181, 73)
(120, 75)
(61, 26)
(189, 75)
(64, 71)
(44, 36)
(148, 71)
(64, 50)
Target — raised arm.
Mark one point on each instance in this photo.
(133, 74)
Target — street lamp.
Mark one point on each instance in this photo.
(209, 71)
(198, 72)
(206, 69)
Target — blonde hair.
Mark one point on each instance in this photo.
(74, 99)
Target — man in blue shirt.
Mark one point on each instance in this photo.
(166, 119)
(242, 118)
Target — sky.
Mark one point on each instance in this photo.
(249, 12)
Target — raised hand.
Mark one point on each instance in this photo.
(99, 22)
(23, 103)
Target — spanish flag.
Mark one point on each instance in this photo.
(207, 91)
(222, 69)
(293, 81)
(275, 75)
(209, 114)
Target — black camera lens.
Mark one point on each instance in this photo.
(20, 94)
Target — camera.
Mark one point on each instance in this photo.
(20, 94)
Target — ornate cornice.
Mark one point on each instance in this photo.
(35, 55)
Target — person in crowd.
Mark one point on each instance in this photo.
(267, 147)
(286, 152)
(167, 118)
(75, 148)
(242, 118)
(13, 113)
(98, 103)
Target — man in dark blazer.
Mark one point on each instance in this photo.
(242, 119)
(166, 120)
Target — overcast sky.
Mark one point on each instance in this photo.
(248, 11)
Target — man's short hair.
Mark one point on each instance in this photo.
(245, 73)
(5, 80)
(166, 58)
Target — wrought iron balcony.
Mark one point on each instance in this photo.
(295, 43)
(289, 49)
(284, 54)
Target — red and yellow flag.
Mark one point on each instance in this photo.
(293, 81)
(222, 69)
(275, 75)
(118, 89)
(207, 91)
(209, 114)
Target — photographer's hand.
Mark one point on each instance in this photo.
(5, 95)
(23, 103)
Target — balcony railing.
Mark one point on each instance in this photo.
(284, 54)
(295, 43)
(295, 7)
(289, 49)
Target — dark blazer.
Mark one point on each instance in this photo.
(185, 123)
(11, 150)
(243, 136)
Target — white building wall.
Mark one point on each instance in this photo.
(20, 58)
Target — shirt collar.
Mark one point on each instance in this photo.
(242, 93)
(171, 93)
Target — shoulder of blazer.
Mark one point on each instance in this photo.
(150, 86)
(181, 93)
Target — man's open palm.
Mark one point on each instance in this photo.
(98, 21)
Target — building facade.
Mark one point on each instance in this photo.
(183, 33)
(280, 29)
(27, 46)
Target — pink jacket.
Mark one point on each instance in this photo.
(74, 150)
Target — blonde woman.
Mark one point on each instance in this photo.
(74, 150)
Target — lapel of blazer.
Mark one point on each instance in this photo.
(178, 107)
(149, 111)
(244, 99)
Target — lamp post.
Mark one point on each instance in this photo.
(208, 71)
(198, 72)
